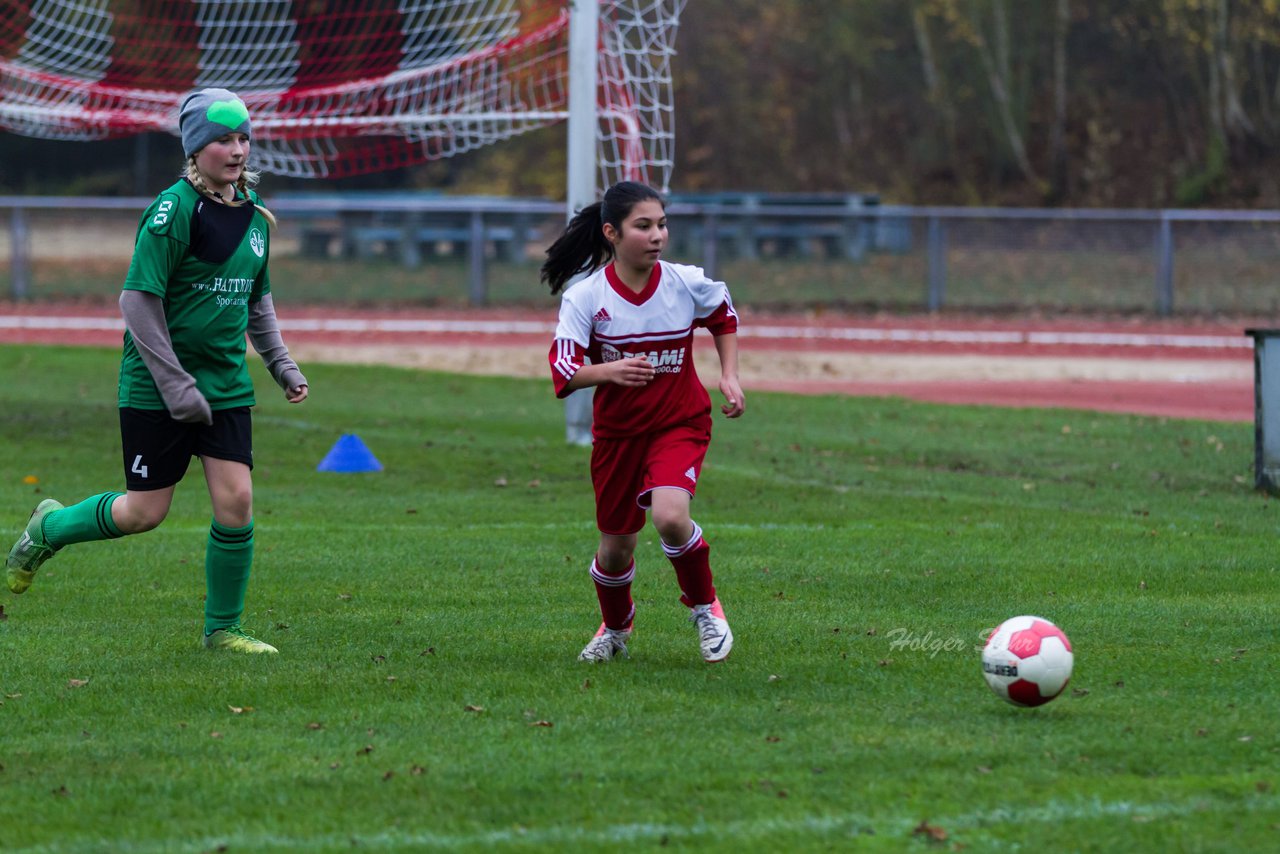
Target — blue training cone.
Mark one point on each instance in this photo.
(349, 454)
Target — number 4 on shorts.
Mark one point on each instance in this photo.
(138, 468)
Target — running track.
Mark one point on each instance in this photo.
(1154, 368)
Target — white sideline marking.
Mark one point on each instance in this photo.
(492, 327)
(68, 323)
(183, 531)
(849, 825)
(798, 333)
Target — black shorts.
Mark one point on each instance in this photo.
(158, 449)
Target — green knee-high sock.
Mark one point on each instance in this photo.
(81, 523)
(227, 560)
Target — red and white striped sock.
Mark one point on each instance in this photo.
(692, 562)
(614, 593)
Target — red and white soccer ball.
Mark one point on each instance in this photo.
(1027, 661)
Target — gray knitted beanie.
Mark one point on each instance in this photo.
(209, 114)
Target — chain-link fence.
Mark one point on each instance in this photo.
(779, 253)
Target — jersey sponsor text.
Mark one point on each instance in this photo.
(239, 288)
(670, 361)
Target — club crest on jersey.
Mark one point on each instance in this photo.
(602, 316)
(257, 242)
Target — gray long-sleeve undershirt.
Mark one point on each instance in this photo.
(264, 334)
(144, 318)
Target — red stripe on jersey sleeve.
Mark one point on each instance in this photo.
(566, 358)
(722, 321)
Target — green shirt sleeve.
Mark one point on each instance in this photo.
(158, 249)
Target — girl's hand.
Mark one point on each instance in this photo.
(735, 402)
(634, 371)
(296, 395)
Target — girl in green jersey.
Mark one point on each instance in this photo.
(197, 284)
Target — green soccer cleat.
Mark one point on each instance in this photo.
(236, 639)
(31, 550)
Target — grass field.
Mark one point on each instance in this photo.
(427, 697)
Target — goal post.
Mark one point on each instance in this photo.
(580, 182)
(583, 120)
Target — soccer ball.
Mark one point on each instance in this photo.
(1027, 661)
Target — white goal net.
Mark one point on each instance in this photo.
(342, 88)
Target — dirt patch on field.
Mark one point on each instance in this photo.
(1176, 370)
(772, 367)
(1210, 389)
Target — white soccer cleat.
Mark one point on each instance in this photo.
(713, 631)
(606, 645)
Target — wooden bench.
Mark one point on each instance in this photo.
(411, 243)
(754, 225)
(380, 224)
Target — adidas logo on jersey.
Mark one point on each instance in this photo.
(602, 316)
(691, 474)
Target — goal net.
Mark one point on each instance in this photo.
(340, 88)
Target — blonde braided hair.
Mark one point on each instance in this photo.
(247, 179)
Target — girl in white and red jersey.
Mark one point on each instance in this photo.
(633, 318)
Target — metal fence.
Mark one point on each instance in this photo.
(775, 252)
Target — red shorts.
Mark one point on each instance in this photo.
(625, 471)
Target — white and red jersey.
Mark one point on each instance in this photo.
(604, 320)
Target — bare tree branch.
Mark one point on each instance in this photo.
(1000, 94)
(1057, 132)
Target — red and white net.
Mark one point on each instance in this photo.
(341, 88)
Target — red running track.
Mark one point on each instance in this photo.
(1172, 369)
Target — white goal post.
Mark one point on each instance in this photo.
(584, 22)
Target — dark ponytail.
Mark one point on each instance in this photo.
(582, 247)
(579, 249)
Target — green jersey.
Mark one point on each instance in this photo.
(207, 262)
